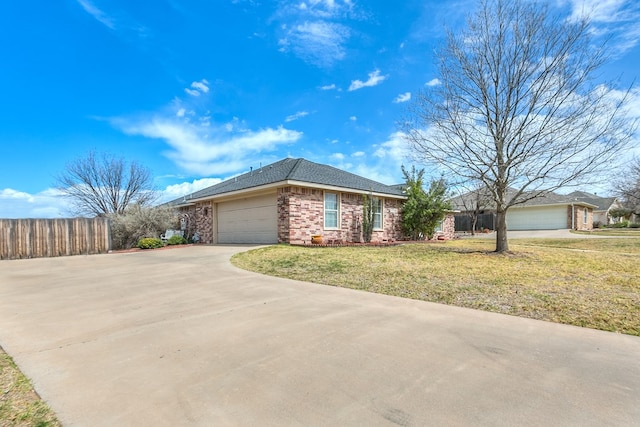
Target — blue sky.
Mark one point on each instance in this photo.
(201, 90)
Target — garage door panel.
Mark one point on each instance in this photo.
(537, 218)
(251, 220)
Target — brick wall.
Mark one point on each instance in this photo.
(580, 223)
(391, 216)
(199, 219)
(204, 221)
(578, 218)
(301, 215)
(449, 226)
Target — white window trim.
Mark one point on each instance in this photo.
(585, 216)
(381, 214)
(324, 210)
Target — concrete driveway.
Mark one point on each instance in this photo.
(181, 337)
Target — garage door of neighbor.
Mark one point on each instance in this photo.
(537, 218)
(250, 220)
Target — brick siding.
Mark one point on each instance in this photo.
(578, 218)
(448, 226)
(301, 215)
(199, 219)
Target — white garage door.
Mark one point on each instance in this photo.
(537, 218)
(251, 220)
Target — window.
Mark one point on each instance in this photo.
(377, 213)
(585, 216)
(331, 210)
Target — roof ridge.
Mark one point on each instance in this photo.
(294, 168)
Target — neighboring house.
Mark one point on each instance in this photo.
(601, 214)
(549, 212)
(291, 200)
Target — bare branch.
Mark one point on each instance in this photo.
(519, 109)
(104, 185)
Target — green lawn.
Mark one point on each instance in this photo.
(593, 283)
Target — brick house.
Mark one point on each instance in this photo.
(291, 200)
(551, 211)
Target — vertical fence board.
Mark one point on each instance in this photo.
(31, 238)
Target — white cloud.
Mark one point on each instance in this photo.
(180, 112)
(316, 30)
(45, 204)
(433, 82)
(319, 43)
(597, 10)
(374, 79)
(172, 192)
(98, 14)
(208, 150)
(327, 9)
(618, 19)
(337, 156)
(353, 118)
(296, 116)
(385, 165)
(395, 149)
(328, 87)
(198, 88)
(122, 23)
(202, 85)
(403, 97)
(378, 171)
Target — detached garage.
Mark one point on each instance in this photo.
(248, 220)
(538, 218)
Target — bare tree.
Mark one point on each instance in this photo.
(629, 188)
(472, 203)
(519, 108)
(103, 184)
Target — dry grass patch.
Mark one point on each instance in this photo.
(576, 282)
(19, 403)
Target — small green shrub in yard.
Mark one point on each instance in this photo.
(150, 243)
(176, 240)
(621, 224)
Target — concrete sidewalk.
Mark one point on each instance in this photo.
(181, 337)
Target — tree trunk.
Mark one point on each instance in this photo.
(474, 223)
(502, 244)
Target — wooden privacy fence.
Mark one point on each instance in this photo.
(34, 238)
